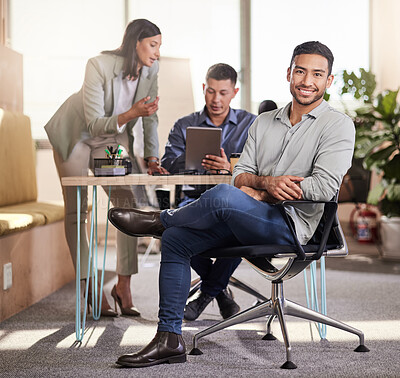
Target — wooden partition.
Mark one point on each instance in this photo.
(11, 80)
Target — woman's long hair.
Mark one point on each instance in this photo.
(134, 32)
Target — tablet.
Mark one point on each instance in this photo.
(201, 141)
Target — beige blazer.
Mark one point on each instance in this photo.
(89, 112)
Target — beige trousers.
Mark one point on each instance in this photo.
(78, 164)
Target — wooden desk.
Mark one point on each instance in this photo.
(144, 179)
(133, 179)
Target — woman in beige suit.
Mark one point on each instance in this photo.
(119, 87)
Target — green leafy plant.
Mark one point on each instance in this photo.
(377, 138)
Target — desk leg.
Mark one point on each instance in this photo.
(105, 242)
(92, 259)
(97, 297)
(314, 293)
(79, 321)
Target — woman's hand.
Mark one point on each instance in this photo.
(143, 109)
(153, 166)
(139, 109)
(216, 162)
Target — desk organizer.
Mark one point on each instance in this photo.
(112, 167)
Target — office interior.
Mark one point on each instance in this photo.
(44, 46)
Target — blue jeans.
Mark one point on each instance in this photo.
(222, 216)
(214, 275)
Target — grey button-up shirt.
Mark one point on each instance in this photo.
(319, 148)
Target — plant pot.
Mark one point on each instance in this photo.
(390, 238)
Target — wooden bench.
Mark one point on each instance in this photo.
(31, 233)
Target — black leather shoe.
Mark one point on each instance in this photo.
(136, 222)
(166, 347)
(227, 306)
(194, 308)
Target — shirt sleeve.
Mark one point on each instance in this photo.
(332, 160)
(174, 156)
(121, 129)
(150, 124)
(93, 101)
(248, 158)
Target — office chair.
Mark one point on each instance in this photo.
(328, 240)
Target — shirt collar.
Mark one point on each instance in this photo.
(231, 117)
(283, 113)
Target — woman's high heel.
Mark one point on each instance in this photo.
(130, 311)
(108, 312)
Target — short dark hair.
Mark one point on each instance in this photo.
(222, 71)
(136, 30)
(314, 47)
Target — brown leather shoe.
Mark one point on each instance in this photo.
(166, 347)
(136, 222)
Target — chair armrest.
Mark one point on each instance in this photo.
(330, 209)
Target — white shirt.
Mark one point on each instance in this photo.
(125, 99)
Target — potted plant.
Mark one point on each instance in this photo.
(378, 145)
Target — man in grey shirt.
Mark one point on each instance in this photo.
(300, 151)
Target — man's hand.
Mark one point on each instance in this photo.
(216, 162)
(284, 187)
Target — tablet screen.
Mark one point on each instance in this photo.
(201, 141)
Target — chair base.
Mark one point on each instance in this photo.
(196, 283)
(278, 306)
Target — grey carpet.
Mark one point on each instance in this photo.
(38, 342)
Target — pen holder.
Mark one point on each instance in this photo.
(112, 167)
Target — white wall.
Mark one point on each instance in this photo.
(385, 43)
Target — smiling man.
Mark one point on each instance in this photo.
(300, 151)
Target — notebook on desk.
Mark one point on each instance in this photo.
(201, 141)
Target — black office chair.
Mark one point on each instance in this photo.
(328, 240)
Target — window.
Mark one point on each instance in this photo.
(56, 39)
(206, 32)
(277, 27)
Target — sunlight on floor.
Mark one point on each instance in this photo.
(24, 339)
(300, 331)
(138, 335)
(135, 335)
(90, 338)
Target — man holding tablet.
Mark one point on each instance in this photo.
(219, 90)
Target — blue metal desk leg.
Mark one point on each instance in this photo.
(314, 292)
(80, 320)
(97, 297)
